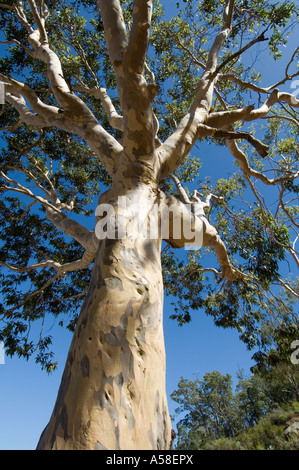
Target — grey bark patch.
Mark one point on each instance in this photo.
(61, 419)
(117, 338)
(100, 446)
(85, 366)
(102, 399)
(132, 260)
(151, 437)
(114, 283)
(161, 423)
(150, 250)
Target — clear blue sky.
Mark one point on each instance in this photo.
(27, 395)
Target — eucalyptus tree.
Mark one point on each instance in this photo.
(105, 104)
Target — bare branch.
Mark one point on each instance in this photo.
(17, 187)
(115, 120)
(115, 30)
(74, 229)
(79, 264)
(78, 119)
(260, 38)
(224, 119)
(139, 35)
(261, 148)
(251, 86)
(19, 89)
(40, 23)
(23, 269)
(197, 224)
(247, 170)
(282, 117)
(228, 13)
(177, 146)
(180, 188)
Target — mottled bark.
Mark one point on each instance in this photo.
(112, 394)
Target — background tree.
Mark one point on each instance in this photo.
(253, 415)
(86, 84)
(209, 408)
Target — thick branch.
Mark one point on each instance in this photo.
(75, 116)
(78, 119)
(76, 265)
(139, 35)
(177, 146)
(224, 119)
(74, 229)
(19, 89)
(115, 120)
(40, 23)
(185, 229)
(79, 264)
(261, 148)
(115, 30)
(26, 116)
(180, 188)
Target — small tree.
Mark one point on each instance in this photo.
(255, 415)
(210, 408)
(68, 138)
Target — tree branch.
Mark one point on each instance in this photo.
(75, 116)
(17, 187)
(115, 120)
(23, 269)
(19, 89)
(76, 265)
(261, 148)
(139, 35)
(115, 30)
(177, 146)
(40, 23)
(260, 38)
(77, 120)
(247, 170)
(26, 116)
(180, 188)
(224, 119)
(33, 294)
(183, 228)
(74, 229)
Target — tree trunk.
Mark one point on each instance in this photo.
(112, 395)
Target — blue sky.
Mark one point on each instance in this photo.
(27, 394)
